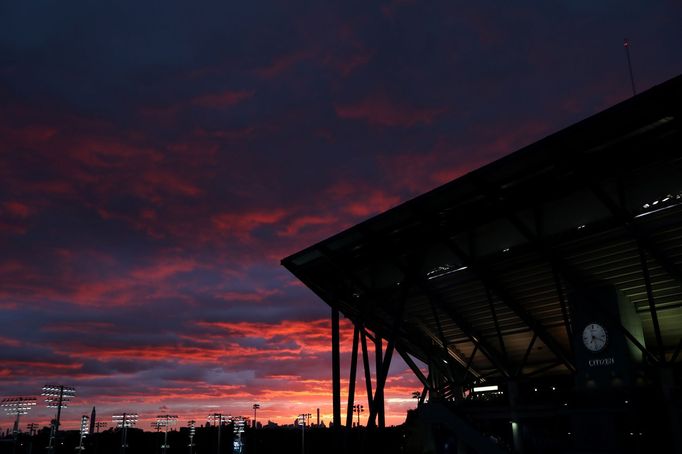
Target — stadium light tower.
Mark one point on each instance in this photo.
(192, 430)
(85, 430)
(217, 419)
(17, 406)
(255, 407)
(32, 428)
(57, 396)
(301, 422)
(166, 421)
(100, 425)
(357, 408)
(123, 421)
(238, 424)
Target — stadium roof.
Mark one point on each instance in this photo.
(474, 275)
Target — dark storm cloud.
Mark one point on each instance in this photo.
(158, 159)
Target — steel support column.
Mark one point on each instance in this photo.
(336, 370)
(365, 365)
(564, 305)
(379, 392)
(486, 279)
(493, 312)
(526, 354)
(513, 394)
(351, 380)
(417, 372)
(652, 303)
(381, 382)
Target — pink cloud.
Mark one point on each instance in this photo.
(383, 111)
(306, 221)
(227, 98)
(283, 63)
(241, 225)
(360, 200)
(16, 209)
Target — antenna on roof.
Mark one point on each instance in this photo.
(626, 45)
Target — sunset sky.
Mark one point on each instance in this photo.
(158, 159)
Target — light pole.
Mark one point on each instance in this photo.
(57, 396)
(165, 421)
(17, 406)
(301, 421)
(99, 425)
(218, 419)
(32, 430)
(255, 407)
(238, 425)
(192, 431)
(123, 421)
(85, 429)
(357, 408)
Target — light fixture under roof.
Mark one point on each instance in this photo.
(444, 270)
(664, 202)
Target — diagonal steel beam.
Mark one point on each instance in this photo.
(629, 223)
(484, 275)
(652, 303)
(478, 340)
(415, 370)
(493, 312)
(471, 360)
(381, 382)
(365, 365)
(570, 274)
(351, 379)
(385, 363)
(379, 392)
(526, 354)
(468, 330)
(367, 291)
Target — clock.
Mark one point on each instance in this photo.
(595, 337)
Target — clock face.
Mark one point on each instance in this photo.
(594, 337)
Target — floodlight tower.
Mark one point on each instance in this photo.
(123, 421)
(238, 424)
(32, 428)
(57, 396)
(219, 419)
(165, 421)
(17, 406)
(357, 408)
(85, 430)
(255, 407)
(192, 430)
(100, 425)
(301, 422)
